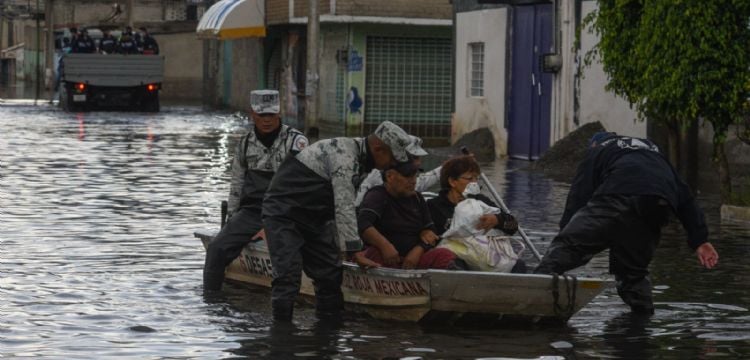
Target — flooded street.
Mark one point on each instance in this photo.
(98, 259)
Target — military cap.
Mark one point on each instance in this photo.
(265, 101)
(402, 145)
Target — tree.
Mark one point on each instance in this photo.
(677, 61)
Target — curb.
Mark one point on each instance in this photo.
(735, 213)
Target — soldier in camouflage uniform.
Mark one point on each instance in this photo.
(258, 156)
(309, 214)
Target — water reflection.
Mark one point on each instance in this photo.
(97, 259)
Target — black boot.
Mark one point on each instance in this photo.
(212, 281)
(283, 311)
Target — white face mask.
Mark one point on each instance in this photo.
(472, 188)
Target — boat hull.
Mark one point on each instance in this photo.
(416, 295)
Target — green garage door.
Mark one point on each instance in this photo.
(408, 81)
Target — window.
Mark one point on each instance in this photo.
(476, 68)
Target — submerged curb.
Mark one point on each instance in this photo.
(735, 213)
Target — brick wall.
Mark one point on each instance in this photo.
(426, 9)
(277, 11)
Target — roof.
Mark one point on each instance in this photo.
(233, 19)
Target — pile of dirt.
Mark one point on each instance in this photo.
(561, 161)
(480, 142)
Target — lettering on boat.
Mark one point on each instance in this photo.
(256, 265)
(381, 286)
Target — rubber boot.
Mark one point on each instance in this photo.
(283, 311)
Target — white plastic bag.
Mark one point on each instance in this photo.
(466, 216)
(489, 251)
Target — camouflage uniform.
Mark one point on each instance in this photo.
(309, 215)
(252, 169)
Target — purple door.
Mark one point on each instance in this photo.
(530, 88)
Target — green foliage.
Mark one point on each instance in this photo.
(677, 60)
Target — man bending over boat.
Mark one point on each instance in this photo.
(395, 221)
(620, 199)
(309, 215)
(257, 158)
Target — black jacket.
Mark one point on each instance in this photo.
(623, 165)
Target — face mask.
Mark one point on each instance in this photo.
(472, 189)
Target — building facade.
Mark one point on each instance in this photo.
(376, 63)
(171, 22)
(503, 84)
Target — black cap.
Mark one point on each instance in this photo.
(406, 168)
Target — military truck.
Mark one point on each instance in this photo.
(111, 81)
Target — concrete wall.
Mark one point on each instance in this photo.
(489, 27)
(183, 67)
(597, 104)
(330, 109)
(245, 69)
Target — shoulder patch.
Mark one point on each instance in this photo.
(300, 142)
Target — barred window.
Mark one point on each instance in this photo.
(476, 64)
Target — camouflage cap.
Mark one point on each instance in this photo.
(265, 101)
(402, 144)
(415, 149)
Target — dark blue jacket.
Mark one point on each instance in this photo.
(623, 165)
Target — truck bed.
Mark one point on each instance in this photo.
(113, 70)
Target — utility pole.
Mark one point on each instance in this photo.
(50, 58)
(131, 12)
(209, 76)
(312, 78)
(38, 54)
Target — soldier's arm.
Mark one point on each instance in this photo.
(343, 198)
(373, 179)
(427, 180)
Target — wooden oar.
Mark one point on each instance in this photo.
(500, 201)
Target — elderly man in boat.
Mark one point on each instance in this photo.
(309, 213)
(394, 220)
(425, 180)
(257, 158)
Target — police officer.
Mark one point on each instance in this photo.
(83, 44)
(127, 44)
(108, 43)
(309, 215)
(620, 199)
(257, 158)
(148, 44)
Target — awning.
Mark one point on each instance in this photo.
(233, 19)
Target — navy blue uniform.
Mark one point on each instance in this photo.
(620, 199)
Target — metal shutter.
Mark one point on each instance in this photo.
(408, 81)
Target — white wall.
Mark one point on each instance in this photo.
(596, 104)
(488, 26)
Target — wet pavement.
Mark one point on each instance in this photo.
(97, 259)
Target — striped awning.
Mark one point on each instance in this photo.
(233, 19)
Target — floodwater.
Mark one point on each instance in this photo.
(98, 260)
